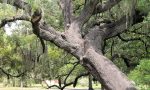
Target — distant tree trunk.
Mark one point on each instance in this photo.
(8, 81)
(90, 83)
(13, 82)
(21, 83)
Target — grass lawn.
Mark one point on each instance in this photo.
(18, 88)
(38, 87)
(35, 87)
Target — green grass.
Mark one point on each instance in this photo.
(19, 88)
(39, 87)
(34, 87)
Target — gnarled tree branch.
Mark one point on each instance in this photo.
(87, 11)
(102, 7)
(10, 75)
(5, 21)
(66, 6)
(70, 83)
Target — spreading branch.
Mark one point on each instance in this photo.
(67, 9)
(115, 28)
(5, 21)
(102, 7)
(65, 84)
(81, 75)
(87, 11)
(74, 83)
(54, 86)
(70, 72)
(10, 75)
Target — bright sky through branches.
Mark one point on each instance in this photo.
(10, 27)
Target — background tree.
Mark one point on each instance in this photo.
(141, 74)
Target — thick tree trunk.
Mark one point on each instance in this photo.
(106, 72)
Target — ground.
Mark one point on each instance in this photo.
(38, 87)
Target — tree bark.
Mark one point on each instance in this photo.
(106, 72)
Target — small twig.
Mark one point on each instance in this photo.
(112, 45)
(70, 72)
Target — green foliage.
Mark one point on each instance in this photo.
(141, 74)
(34, 3)
(6, 11)
(143, 5)
(51, 11)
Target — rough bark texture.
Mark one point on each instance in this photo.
(106, 72)
(67, 10)
(88, 49)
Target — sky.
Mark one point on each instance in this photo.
(10, 27)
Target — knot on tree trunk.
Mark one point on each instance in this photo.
(37, 15)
